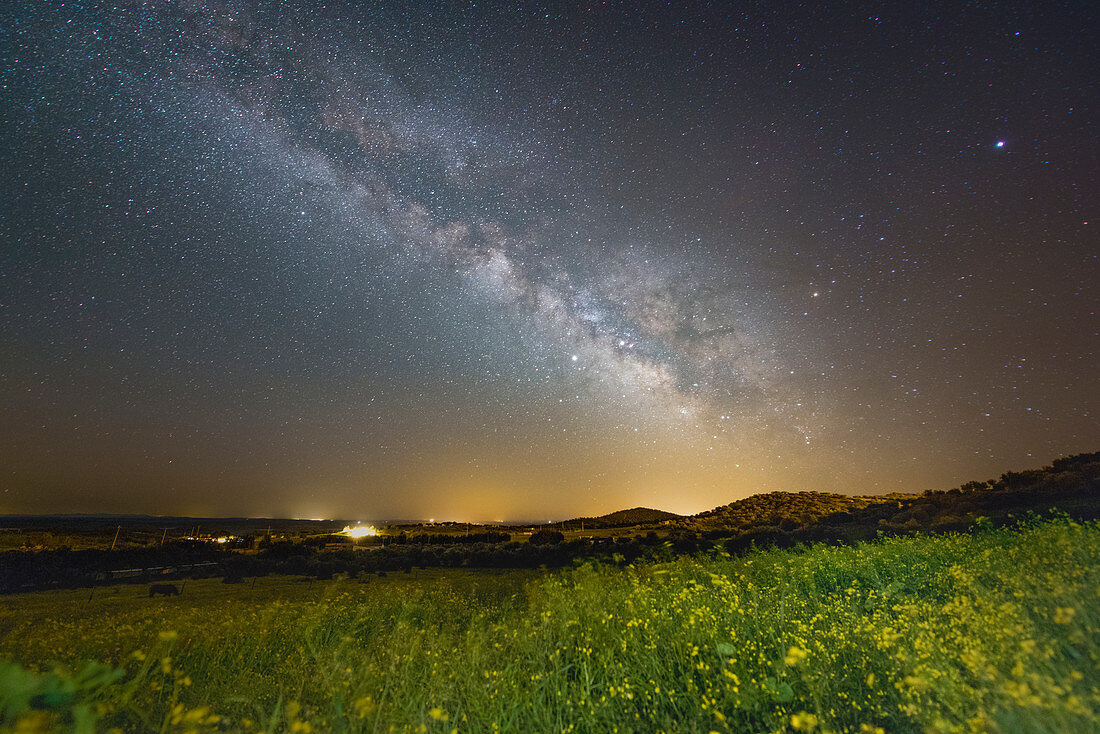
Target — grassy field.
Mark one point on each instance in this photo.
(997, 631)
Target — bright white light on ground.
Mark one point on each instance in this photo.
(359, 531)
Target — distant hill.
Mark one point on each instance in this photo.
(1070, 485)
(627, 518)
(638, 516)
(787, 509)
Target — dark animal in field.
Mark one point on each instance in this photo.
(166, 589)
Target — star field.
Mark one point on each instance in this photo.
(475, 262)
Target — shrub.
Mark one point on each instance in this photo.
(545, 536)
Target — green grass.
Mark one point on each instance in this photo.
(998, 631)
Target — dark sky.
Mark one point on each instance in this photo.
(385, 260)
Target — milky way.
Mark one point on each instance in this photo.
(418, 260)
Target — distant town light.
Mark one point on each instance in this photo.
(208, 538)
(359, 531)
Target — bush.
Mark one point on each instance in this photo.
(545, 536)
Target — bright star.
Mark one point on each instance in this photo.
(1000, 143)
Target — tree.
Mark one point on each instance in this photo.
(546, 536)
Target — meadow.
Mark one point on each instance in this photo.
(992, 631)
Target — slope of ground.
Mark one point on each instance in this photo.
(1070, 485)
(788, 510)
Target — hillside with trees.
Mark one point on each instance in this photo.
(788, 510)
(1069, 485)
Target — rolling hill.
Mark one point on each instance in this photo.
(627, 518)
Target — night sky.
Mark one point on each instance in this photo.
(477, 262)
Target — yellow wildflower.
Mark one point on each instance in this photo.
(803, 721)
(363, 706)
(1064, 615)
(795, 656)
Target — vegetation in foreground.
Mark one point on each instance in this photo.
(991, 631)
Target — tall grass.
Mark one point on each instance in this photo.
(996, 631)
